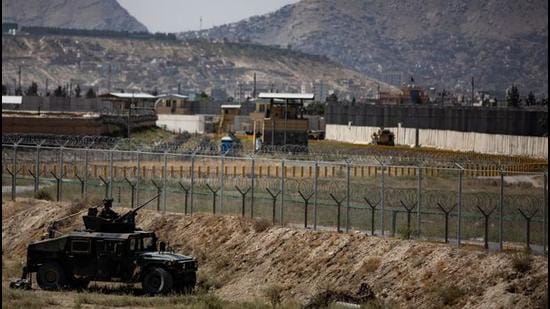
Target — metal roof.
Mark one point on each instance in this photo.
(12, 99)
(172, 95)
(230, 106)
(287, 96)
(129, 95)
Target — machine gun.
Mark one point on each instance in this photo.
(118, 224)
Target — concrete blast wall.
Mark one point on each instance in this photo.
(186, 123)
(530, 146)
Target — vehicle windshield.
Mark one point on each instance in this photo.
(148, 243)
(144, 243)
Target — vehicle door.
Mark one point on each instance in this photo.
(80, 257)
(110, 259)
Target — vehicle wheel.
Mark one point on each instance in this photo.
(51, 276)
(157, 281)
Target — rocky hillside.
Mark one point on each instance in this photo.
(241, 259)
(440, 43)
(149, 64)
(81, 14)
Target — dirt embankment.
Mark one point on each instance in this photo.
(242, 259)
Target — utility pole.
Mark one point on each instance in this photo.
(109, 78)
(254, 91)
(19, 74)
(129, 125)
(473, 87)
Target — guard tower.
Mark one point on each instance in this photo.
(280, 120)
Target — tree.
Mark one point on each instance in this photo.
(531, 100)
(512, 96)
(32, 91)
(60, 92)
(77, 91)
(90, 94)
(18, 91)
(155, 92)
(4, 89)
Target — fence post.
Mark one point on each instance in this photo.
(159, 192)
(393, 222)
(37, 169)
(459, 197)
(186, 196)
(133, 191)
(274, 203)
(243, 196)
(111, 173)
(372, 212)
(419, 202)
(214, 197)
(86, 172)
(545, 215)
(338, 205)
(315, 181)
(252, 187)
(164, 180)
(382, 199)
(61, 173)
(283, 175)
(306, 204)
(348, 192)
(14, 174)
(222, 181)
(192, 182)
(138, 175)
(501, 212)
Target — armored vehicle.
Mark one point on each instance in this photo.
(110, 249)
(383, 137)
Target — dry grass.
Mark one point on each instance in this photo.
(261, 225)
(273, 294)
(24, 299)
(521, 262)
(371, 264)
(449, 294)
(41, 299)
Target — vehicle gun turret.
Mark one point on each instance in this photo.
(109, 221)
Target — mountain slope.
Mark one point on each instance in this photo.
(80, 14)
(149, 64)
(440, 43)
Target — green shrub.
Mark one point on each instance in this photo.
(43, 195)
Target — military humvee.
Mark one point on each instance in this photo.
(111, 249)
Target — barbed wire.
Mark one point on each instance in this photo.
(186, 143)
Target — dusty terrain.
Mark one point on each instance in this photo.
(241, 259)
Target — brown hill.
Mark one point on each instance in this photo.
(148, 64)
(440, 43)
(80, 14)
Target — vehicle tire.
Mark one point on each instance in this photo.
(157, 281)
(51, 277)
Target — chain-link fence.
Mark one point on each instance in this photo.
(495, 208)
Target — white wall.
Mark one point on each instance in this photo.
(530, 146)
(182, 123)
